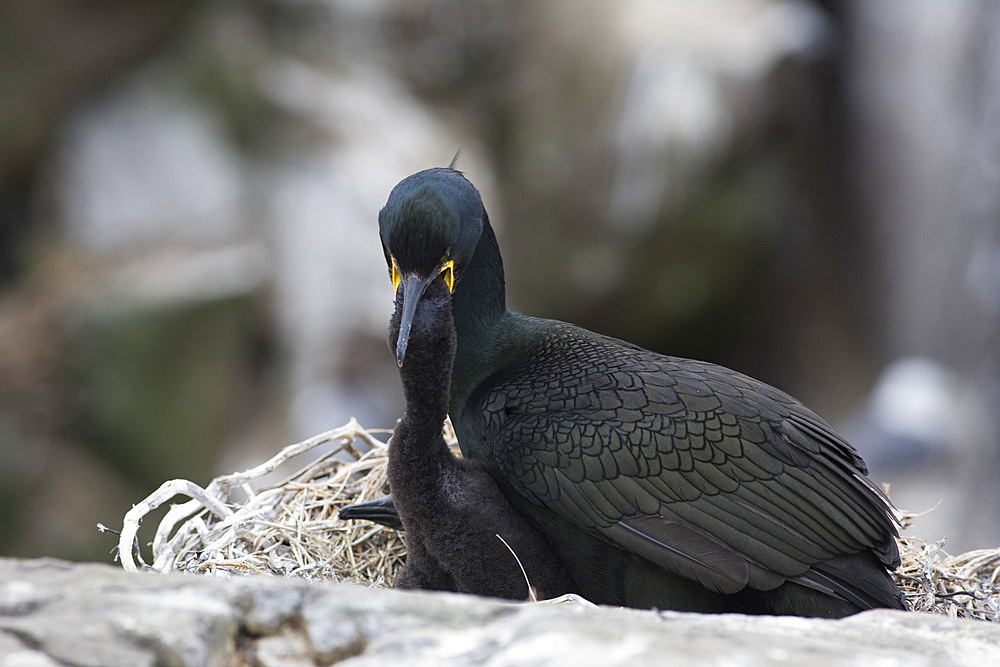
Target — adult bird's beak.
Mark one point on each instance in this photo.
(413, 289)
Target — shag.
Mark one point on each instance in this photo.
(462, 534)
(659, 481)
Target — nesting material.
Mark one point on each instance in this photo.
(962, 586)
(239, 525)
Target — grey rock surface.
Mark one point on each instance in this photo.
(60, 613)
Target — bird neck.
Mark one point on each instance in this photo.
(426, 395)
(479, 306)
(418, 453)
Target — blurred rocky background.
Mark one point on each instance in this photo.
(190, 274)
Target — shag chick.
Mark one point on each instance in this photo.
(452, 511)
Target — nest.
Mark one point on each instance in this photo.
(239, 525)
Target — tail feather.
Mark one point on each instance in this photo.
(855, 578)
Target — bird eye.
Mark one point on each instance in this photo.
(446, 255)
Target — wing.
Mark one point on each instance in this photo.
(702, 470)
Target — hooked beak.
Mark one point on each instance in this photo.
(413, 289)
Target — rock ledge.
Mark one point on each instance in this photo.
(60, 613)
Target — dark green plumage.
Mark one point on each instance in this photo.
(660, 481)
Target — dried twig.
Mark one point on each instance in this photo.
(962, 586)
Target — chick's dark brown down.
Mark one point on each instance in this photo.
(652, 481)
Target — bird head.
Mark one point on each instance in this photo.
(429, 228)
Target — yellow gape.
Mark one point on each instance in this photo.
(396, 278)
(447, 268)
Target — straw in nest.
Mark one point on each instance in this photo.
(236, 525)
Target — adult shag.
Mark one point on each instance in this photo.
(659, 481)
(462, 534)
